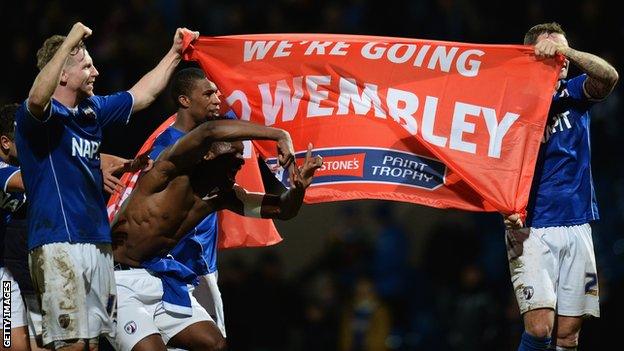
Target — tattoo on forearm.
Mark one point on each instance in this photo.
(602, 76)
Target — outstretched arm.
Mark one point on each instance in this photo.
(192, 147)
(189, 149)
(602, 77)
(49, 77)
(284, 206)
(150, 85)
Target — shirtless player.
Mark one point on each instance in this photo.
(188, 181)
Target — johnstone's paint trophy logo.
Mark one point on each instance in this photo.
(373, 165)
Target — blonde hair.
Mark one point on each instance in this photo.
(50, 47)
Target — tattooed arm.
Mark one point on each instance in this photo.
(602, 77)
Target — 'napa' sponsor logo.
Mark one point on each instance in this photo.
(85, 148)
(11, 201)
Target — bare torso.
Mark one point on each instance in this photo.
(170, 199)
(151, 223)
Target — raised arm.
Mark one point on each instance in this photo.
(150, 85)
(192, 147)
(602, 76)
(49, 77)
(284, 206)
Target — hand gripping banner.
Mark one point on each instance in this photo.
(443, 124)
(234, 230)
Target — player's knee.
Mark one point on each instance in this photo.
(220, 345)
(19, 340)
(69, 345)
(210, 343)
(539, 330)
(567, 338)
(568, 331)
(539, 323)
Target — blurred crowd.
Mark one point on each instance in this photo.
(364, 290)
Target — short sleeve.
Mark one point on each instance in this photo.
(6, 173)
(113, 109)
(160, 144)
(25, 119)
(156, 151)
(230, 115)
(575, 88)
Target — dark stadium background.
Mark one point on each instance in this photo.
(440, 277)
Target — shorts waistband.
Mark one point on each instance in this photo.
(124, 267)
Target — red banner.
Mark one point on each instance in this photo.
(443, 124)
(234, 230)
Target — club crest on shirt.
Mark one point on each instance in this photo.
(89, 113)
(591, 284)
(527, 292)
(130, 327)
(64, 320)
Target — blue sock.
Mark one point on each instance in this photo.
(531, 343)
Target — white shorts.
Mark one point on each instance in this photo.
(554, 268)
(209, 296)
(9, 286)
(75, 286)
(141, 312)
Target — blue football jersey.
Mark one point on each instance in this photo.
(198, 249)
(60, 161)
(9, 201)
(563, 191)
(167, 138)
